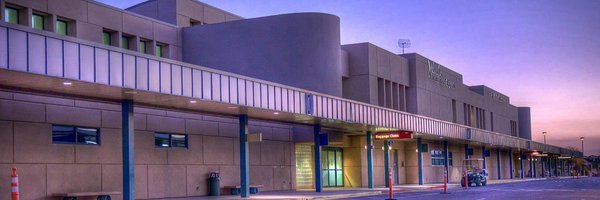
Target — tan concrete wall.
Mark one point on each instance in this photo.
(45, 168)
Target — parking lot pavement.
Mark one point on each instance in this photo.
(579, 189)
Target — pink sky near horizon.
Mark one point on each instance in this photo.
(543, 54)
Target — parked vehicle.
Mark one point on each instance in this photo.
(473, 170)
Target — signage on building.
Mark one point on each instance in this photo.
(497, 96)
(436, 75)
(393, 135)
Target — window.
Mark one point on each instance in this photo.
(75, 135)
(142, 46)
(449, 158)
(167, 140)
(11, 15)
(37, 21)
(492, 120)
(61, 27)
(437, 158)
(159, 50)
(125, 42)
(454, 110)
(106, 38)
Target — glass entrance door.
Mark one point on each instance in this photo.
(333, 175)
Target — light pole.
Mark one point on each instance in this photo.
(544, 133)
(581, 138)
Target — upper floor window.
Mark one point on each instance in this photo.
(11, 15)
(142, 46)
(124, 42)
(159, 50)
(106, 38)
(75, 135)
(37, 21)
(61, 27)
(167, 140)
(437, 158)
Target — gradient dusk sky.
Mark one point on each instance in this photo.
(544, 54)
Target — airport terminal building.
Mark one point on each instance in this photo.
(148, 101)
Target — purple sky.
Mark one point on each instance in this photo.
(541, 53)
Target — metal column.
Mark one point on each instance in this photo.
(420, 160)
(370, 158)
(542, 159)
(483, 156)
(510, 162)
(556, 166)
(446, 160)
(522, 171)
(530, 166)
(498, 164)
(534, 167)
(466, 151)
(244, 155)
(386, 164)
(317, 151)
(128, 133)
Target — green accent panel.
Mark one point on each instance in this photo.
(61, 27)
(125, 42)
(11, 15)
(37, 22)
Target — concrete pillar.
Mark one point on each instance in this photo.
(244, 155)
(534, 167)
(386, 164)
(498, 163)
(370, 159)
(530, 171)
(128, 134)
(420, 160)
(556, 166)
(317, 151)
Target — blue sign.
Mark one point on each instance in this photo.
(468, 134)
(486, 153)
(309, 104)
(470, 151)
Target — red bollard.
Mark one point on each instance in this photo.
(466, 181)
(391, 191)
(14, 183)
(445, 180)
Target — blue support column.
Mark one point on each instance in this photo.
(446, 160)
(370, 158)
(244, 155)
(498, 164)
(522, 171)
(317, 151)
(386, 164)
(530, 171)
(510, 162)
(534, 167)
(556, 166)
(420, 160)
(562, 162)
(128, 134)
(543, 167)
(466, 151)
(483, 157)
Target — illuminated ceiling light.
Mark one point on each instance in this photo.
(130, 92)
(67, 83)
(193, 101)
(276, 113)
(232, 107)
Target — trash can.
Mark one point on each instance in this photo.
(214, 184)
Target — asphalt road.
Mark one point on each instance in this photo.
(571, 189)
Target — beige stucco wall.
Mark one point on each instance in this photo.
(45, 168)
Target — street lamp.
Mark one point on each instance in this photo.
(581, 138)
(544, 133)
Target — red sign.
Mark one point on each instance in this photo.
(393, 135)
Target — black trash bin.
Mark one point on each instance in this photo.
(214, 184)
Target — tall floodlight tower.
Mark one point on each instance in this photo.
(403, 43)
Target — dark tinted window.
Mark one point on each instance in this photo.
(166, 140)
(62, 134)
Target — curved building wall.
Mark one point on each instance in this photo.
(300, 50)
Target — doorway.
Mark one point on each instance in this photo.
(333, 174)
